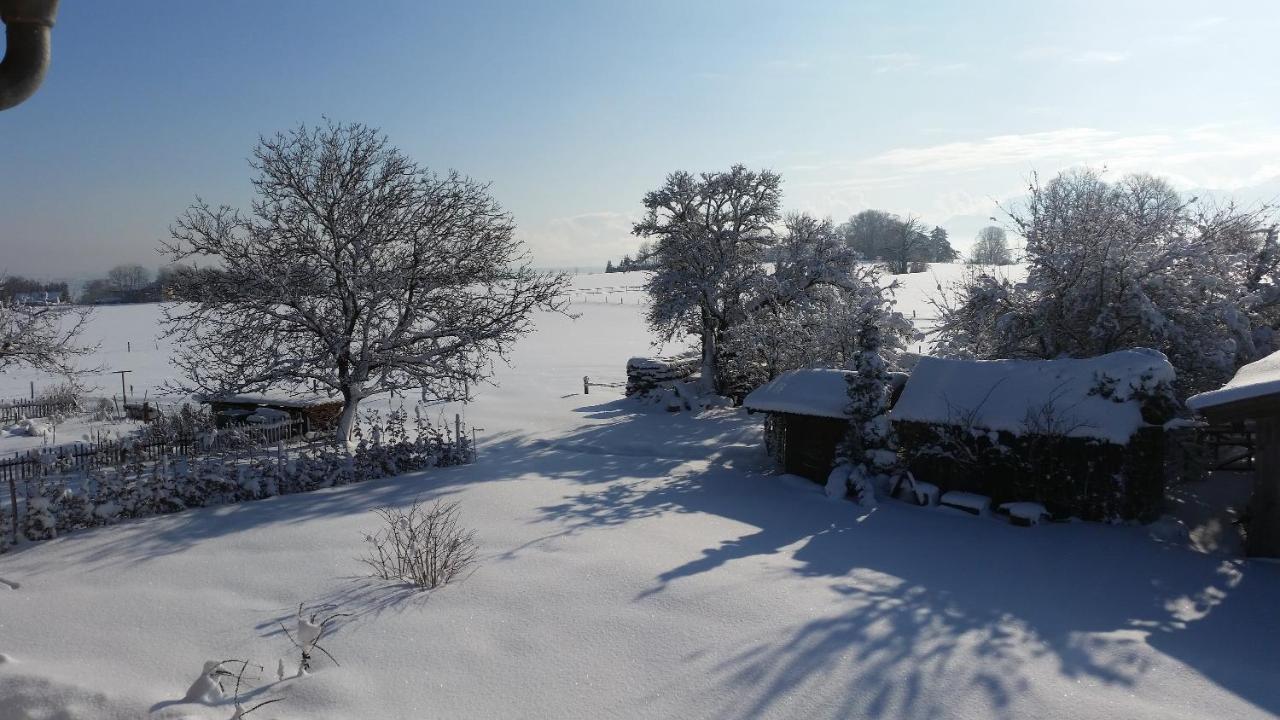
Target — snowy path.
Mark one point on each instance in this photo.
(637, 564)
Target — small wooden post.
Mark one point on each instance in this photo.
(13, 508)
(586, 385)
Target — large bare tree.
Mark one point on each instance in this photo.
(356, 272)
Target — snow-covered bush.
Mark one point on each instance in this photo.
(186, 426)
(867, 457)
(1125, 264)
(425, 546)
(810, 310)
(60, 500)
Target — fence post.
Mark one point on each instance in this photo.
(586, 385)
(457, 433)
(13, 507)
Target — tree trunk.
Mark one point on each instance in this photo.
(1262, 538)
(709, 360)
(347, 420)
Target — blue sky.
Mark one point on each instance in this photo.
(572, 110)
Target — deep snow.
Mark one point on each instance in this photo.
(637, 563)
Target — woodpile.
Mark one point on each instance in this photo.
(646, 374)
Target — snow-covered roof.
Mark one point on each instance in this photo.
(1255, 380)
(289, 400)
(1012, 395)
(813, 391)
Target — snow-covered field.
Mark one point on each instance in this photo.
(634, 564)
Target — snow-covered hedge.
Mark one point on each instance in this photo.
(1071, 476)
(60, 502)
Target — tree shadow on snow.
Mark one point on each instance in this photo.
(921, 599)
(926, 598)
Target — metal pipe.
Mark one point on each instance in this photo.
(28, 28)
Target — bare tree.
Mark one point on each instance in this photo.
(357, 272)
(129, 279)
(991, 247)
(907, 244)
(44, 338)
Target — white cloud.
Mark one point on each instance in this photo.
(587, 239)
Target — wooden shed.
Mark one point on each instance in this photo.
(319, 411)
(1253, 397)
(1084, 437)
(806, 419)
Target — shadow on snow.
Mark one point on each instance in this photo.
(917, 595)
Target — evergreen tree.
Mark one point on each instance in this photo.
(867, 456)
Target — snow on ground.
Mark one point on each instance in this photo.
(637, 563)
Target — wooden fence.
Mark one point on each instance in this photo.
(11, 410)
(1232, 446)
(86, 456)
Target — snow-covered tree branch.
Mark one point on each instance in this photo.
(43, 337)
(710, 232)
(1114, 265)
(356, 272)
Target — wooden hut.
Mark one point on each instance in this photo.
(1083, 437)
(806, 418)
(1253, 397)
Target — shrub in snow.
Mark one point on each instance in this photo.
(211, 686)
(425, 546)
(307, 633)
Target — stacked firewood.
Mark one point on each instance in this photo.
(646, 374)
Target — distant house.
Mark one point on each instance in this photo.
(1253, 397)
(38, 297)
(1083, 437)
(318, 411)
(806, 418)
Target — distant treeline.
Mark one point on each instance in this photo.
(122, 284)
(902, 245)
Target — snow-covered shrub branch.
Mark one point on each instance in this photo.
(356, 272)
(1115, 265)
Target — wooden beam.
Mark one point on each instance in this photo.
(1262, 538)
